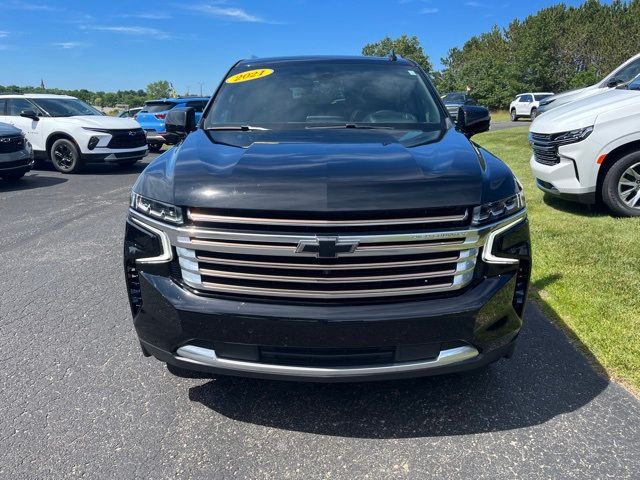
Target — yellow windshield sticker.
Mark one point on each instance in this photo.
(249, 75)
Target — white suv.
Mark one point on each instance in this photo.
(69, 133)
(623, 74)
(590, 150)
(526, 105)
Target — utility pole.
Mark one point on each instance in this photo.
(201, 83)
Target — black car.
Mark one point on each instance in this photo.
(16, 154)
(325, 220)
(454, 100)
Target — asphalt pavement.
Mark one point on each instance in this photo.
(79, 400)
(509, 124)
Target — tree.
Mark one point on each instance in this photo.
(408, 47)
(159, 89)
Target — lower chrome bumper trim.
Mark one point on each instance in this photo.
(207, 357)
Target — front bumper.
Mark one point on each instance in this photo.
(186, 330)
(154, 136)
(563, 180)
(426, 336)
(115, 156)
(16, 162)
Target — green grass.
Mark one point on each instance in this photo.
(500, 116)
(586, 266)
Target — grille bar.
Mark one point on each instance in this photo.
(299, 293)
(325, 280)
(363, 251)
(342, 266)
(292, 222)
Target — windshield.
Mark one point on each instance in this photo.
(65, 107)
(323, 94)
(453, 98)
(542, 97)
(628, 72)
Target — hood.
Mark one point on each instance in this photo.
(329, 170)
(583, 113)
(102, 121)
(572, 95)
(6, 130)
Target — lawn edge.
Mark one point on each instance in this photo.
(608, 374)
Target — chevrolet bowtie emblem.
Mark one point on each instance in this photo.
(326, 247)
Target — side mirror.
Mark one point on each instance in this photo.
(473, 119)
(179, 123)
(29, 114)
(613, 82)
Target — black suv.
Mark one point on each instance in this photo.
(326, 220)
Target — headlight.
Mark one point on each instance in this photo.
(491, 212)
(156, 209)
(572, 136)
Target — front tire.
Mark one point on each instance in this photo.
(65, 156)
(514, 117)
(621, 186)
(534, 114)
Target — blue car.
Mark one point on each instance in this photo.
(151, 117)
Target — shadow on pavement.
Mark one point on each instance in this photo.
(546, 377)
(102, 168)
(29, 181)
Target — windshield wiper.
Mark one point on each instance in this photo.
(237, 128)
(351, 125)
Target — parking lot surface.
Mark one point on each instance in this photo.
(509, 124)
(79, 400)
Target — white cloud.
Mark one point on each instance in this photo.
(41, 7)
(229, 13)
(69, 45)
(3, 34)
(429, 11)
(133, 30)
(473, 4)
(146, 16)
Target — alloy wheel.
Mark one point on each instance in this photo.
(629, 186)
(64, 156)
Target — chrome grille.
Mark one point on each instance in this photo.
(388, 256)
(545, 149)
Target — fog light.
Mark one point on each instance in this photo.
(93, 142)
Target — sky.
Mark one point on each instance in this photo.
(124, 44)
